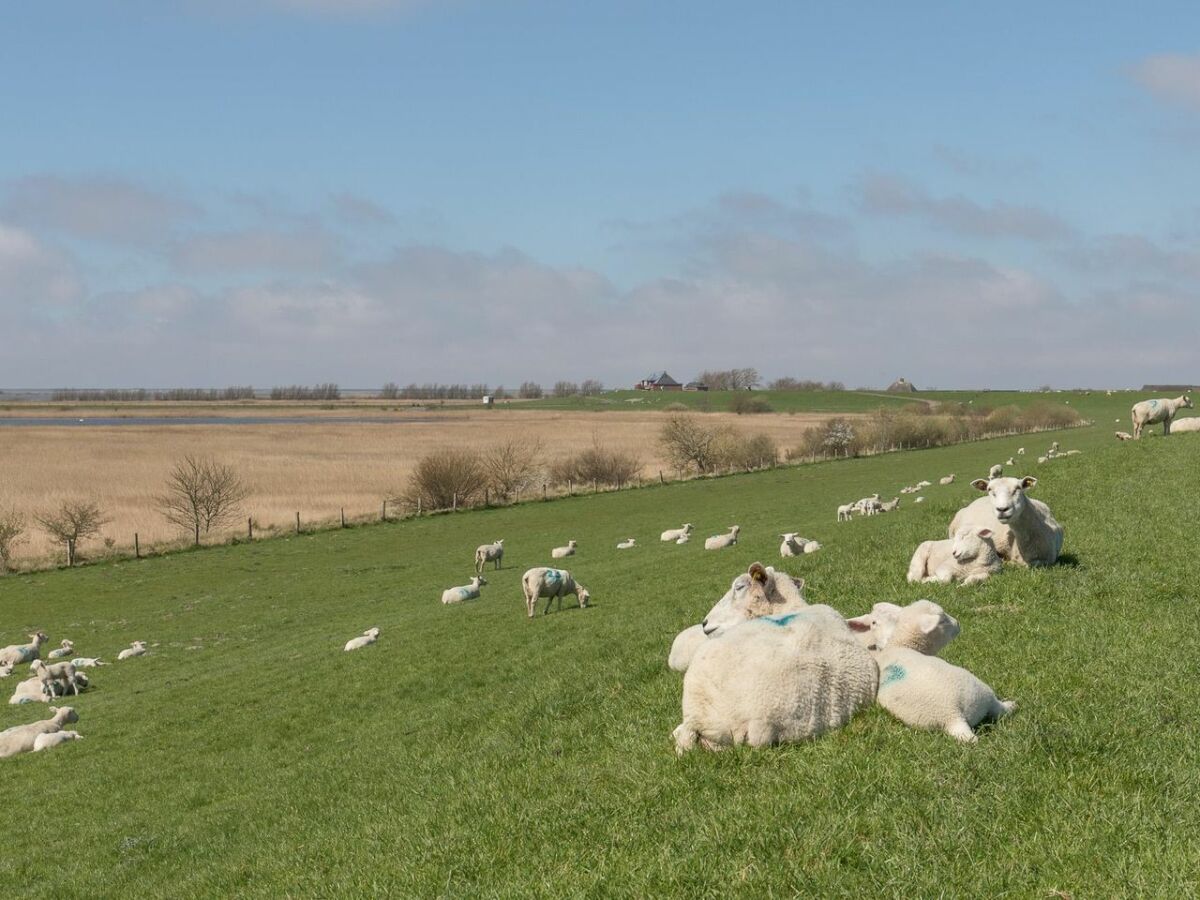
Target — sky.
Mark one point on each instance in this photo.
(217, 192)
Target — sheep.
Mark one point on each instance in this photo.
(63, 673)
(970, 557)
(6, 670)
(721, 541)
(1151, 412)
(917, 687)
(674, 534)
(66, 649)
(464, 592)
(1010, 462)
(924, 484)
(949, 479)
(890, 506)
(563, 552)
(1126, 436)
(774, 679)
(996, 471)
(21, 738)
(489, 553)
(87, 662)
(1053, 447)
(137, 648)
(1073, 453)
(811, 546)
(368, 637)
(861, 506)
(683, 539)
(543, 581)
(627, 544)
(1043, 459)
(52, 740)
(1024, 530)
(31, 690)
(15, 654)
(1020, 451)
(845, 512)
(1191, 423)
(919, 500)
(790, 546)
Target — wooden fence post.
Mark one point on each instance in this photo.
(250, 528)
(661, 480)
(454, 502)
(487, 497)
(137, 549)
(418, 506)
(383, 515)
(297, 521)
(571, 486)
(593, 485)
(544, 490)
(343, 517)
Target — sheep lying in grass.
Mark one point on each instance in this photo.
(866, 505)
(683, 539)
(949, 479)
(1151, 412)
(674, 534)
(543, 581)
(915, 686)
(6, 670)
(15, 654)
(1126, 436)
(1024, 530)
(489, 553)
(969, 557)
(1010, 462)
(87, 662)
(919, 500)
(31, 690)
(1179, 426)
(1020, 451)
(63, 673)
(775, 679)
(137, 648)
(464, 591)
(890, 505)
(721, 541)
(67, 648)
(845, 512)
(54, 739)
(627, 544)
(21, 738)
(368, 637)
(564, 552)
(1043, 459)
(793, 544)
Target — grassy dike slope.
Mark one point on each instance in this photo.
(474, 753)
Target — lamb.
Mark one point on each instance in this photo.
(970, 558)
(1151, 412)
(15, 654)
(63, 673)
(845, 512)
(1010, 462)
(1020, 451)
(996, 471)
(627, 544)
(861, 506)
(464, 592)
(1053, 447)
(66, 649)
(137, 648)
(31, 690)
(775, 679)
(543, 581)
(721, 541)
(87, 662)
(1073, 453)
(1190, 424)
(52, 740)
(21, 738)
(674, 534)
(924, 484)
(811, 546)
(563, 552)
(683, 539)
(949, 479)
(1043, 459)
(791, 546)
(917, 687)
(489, 553)
(368, 637)
(890, 506)
(1024, 530)
(919, 500)
(1126, 436)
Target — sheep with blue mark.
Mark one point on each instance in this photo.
(15, 654)
(544, 581)
(464, 591)
(1151, 412)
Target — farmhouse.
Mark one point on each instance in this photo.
(659, 381)
(901, 386)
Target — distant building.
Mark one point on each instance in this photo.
(659, 381)
(901, 386)
(695, 386)
(488, 400)
(1168, 388)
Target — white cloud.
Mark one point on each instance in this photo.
(1171, 76)
(256, 250)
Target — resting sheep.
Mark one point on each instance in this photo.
(721, 541)
(543, 581)
(368, 637)
(563, 552)
(627, 544)
(489, 553)
(15, 654)
(1024, 530)
(21, 738)
(464, 592)
(54, 739)
(1126, 436)
(919, 500)
(969, 557)
(138, 648)
(31, 690)
(793, 545)
(1020, 451)
(674, 534)
(949, 479)
(890, 506)
(87, 662)
(1151, 412)
(683, 539)
(67, 648)
(6, 670)
(1190, 424)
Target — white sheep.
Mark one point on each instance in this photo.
(54, 739)
(924, 484)
(1151, 412)
(627, 544)
(87, 662)
(15, 654)
(6, 670)
(489, 553)
(62, 673)
(864, 505)
(21, 738)
(917, 687)
(949, 479)
(1024, 530)
(1010, 462)
(368, 637)
(890, 506)
(674, 534)
(67, 648)
(774, 679)
(790, 546)
(1190, 424)
(811, 546)
(1043, 459)
(137, 648)
(845, 512)
(996, 471)
(564, 552)
(1020, 451)
(1073, 453)
(684, 647)
(31, 690)
(543, 581)
(919, 500)
(683, 539)
(721, 541)
(1126, 436)
(464, 591)
(969, 557)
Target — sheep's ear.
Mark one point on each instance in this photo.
(758, 573)
(860, 623)
(984, 532)
(1028, 481)
(798, 582)
(980, 484)
(928, 622)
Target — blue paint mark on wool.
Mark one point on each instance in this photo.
(781, 621)
(1153, 403)
(553, 575)
(892, 674)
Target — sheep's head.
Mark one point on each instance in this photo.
(36, 666)
(761, 591)
(1007, 495)
(584, 595)
(571, 544)
(39, 638)
(64, 713)
(969, 543)
(1187, 401)
(687, 527)
(68, 644)
(922, 626)
(479, 580)
(372, 632)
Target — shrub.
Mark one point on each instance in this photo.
(747, 404)
(529, 390)
(565, 389)
(71, 523)
(511, 467)
(599, 464)
(201, 493)
(444, 478)
(745, 452)
(676, 407)
(12, 527)
(687, 443)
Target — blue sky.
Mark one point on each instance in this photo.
(271, 191)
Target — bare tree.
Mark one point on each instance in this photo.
(565, 389)
(389, 391)
(529, 390)
(72, 522)
(12, 527)
(202, 493)
(591, 388)
(445, 479)
(688, 443)
(511, 467)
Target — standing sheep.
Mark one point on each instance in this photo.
(1024, 530)
(543, 581)
(674, 534)
(721, 541)
(489, 553)
(845, 512)
(563, 552)
(1151, 412)
(21, 738)
(969, 557)
(464, 592)
(63, 673)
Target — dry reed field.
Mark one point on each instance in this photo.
(314, 469)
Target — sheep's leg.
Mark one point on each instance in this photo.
(1002, 708)
(74, 685)
(977, 578)
(549, 602)
(961, 731)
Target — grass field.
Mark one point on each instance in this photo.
(474, 753)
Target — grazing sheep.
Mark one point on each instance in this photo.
(54, 739)
(87, 662)
(67, 648)
(137, 648)
(674, 534)
(917, 687)
(21, 738)
(969, 557)
(683, 539)
(464, 592)
(1191, 423)
(1151, 412)
(1126, 436)
(551, 583)
(15, 654)
(949, 479)
(489, 553)
(63, 673)
(1024, 530)
(996, 471)
(721, 541)
(890, 506)
(775, 679)
(368, 637)
(919, 500)
(627, 544)
(845, 512)
(563, 552)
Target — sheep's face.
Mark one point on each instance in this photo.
(761, 591)
(687, 528)
(923, 626)
(875, 629)
(969, 543)
(1187, 402)
(1007, 495)
(479, 582)
(585, 598)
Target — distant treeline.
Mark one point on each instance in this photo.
(111, 395)
(328, 391)
(804, 384)
(528, 390)
(747, 379)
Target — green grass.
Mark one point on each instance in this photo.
(474, 753)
